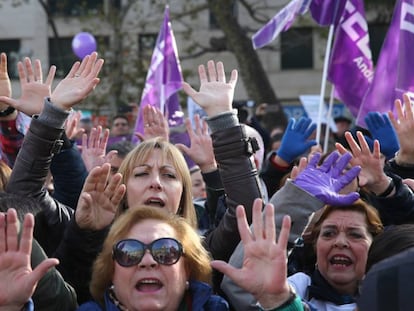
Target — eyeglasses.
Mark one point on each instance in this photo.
(165, 251)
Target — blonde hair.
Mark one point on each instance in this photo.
(197, 259)
(141, 153)
(5, 172)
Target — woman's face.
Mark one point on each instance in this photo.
(156, 183)
(150, 285)
(342, 249)
(197, 185)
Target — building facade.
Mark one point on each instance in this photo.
(293, 62)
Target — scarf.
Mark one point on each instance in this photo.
(320, 289)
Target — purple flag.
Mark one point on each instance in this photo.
(393, 73)
(164, 78)
(327, 12)
(280, 22)
(351, 68)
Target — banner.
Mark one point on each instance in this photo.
(393, 74)
(164, 79)
(280, 22)
(350, 67)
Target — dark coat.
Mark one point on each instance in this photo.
(201, 294)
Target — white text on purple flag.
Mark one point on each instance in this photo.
(407, 17)
(354, 22)
(157, 59)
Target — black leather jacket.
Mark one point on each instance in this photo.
(28, 178)
(78, 248)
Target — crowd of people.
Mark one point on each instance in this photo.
(90, 220)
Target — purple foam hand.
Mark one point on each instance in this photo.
(325, 182)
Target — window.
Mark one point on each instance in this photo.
(62, 56)
(377, 33)
(12, 49)
(297, 49)
(75, 7)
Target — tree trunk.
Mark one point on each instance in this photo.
(258, 88)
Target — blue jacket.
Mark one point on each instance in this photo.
(201, 293)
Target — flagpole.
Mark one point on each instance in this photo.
(164, 63)
(329, 119)
(324, 78)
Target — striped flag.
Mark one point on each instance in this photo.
(164, 78)
(280, 22)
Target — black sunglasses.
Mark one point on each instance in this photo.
(165, 251)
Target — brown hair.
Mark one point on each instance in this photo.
(141, 153)
(373, 220)
(197, 259)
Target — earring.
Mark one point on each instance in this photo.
(187, 285)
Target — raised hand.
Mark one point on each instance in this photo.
(99, 199)
(264, 271)
(372, 175)
(72, 130)
(80, 81)
(94, 148)
(297, 169)
(295, 139)
(201, 149)
(17, 279)
(33, 89)
(326, 181)
(155, 124)
(215, 95)
(5, 85)
(404, 127)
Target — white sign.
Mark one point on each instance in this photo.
(194, 109)
(311, 105)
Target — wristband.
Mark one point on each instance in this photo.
(7, 112)
(387, 191)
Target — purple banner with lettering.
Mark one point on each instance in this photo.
(351, 68)
(280, 22)
(405, 79)
(393, 74)
(164, 78)
(327, 12)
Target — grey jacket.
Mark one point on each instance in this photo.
(289, 200)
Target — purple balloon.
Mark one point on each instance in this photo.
(83, 44)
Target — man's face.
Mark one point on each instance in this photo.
(120, 127)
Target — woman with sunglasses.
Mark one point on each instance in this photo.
(152, 260)
(155, 174)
